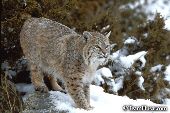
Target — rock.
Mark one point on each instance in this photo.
(40, 103)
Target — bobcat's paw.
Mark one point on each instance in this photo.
(42, 89)
(87, 107)
(90, 108)
(63, 91)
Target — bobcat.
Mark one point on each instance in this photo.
(60, 52)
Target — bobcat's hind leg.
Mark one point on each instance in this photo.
(37, 79)
(55, 85)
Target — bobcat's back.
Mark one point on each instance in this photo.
(44, 42)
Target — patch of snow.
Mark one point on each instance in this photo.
(118, 83)
(143, 60)
(167, 73)
(5, 66)
(132, 5)
(138, 73)
(156, 68)
(101, 74)
(122, 63)
(168, 57)
(128, 61)
(119, 53)
(10, 72)
(145, 35)
(167, 23)
(115, 55)
(130, 40)
(101, 101)
(20, 65)
(167, 101)
(140, 82)
(23, 87)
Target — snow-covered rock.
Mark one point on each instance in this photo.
(57, 102)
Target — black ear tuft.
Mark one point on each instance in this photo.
(87, 35)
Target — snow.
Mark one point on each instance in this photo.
(167, 73)
(10, 72)
(117, 84)
(145, 35)
(167, 101)
(105, 73)
(101, 74)
(100, 101)
(156, 68)
(23, 87)
(138, 73)
(123, 64)
(140, 82)
(167, 23)
(129, 41)
(20, 65)
(115, 55)
(168, 57)
(128, 61)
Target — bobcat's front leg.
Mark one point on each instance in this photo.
(37, 79)
(75, 89)
(87, 91)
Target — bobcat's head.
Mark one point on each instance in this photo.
(97, 48)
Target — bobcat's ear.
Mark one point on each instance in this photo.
(108, 34)
(87, 35)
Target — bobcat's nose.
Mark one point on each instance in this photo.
(106, 55)
(104, 51)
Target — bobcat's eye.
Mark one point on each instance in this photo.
(107, 46)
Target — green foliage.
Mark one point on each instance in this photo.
(156, 42)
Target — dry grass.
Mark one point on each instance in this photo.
(10, 100)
